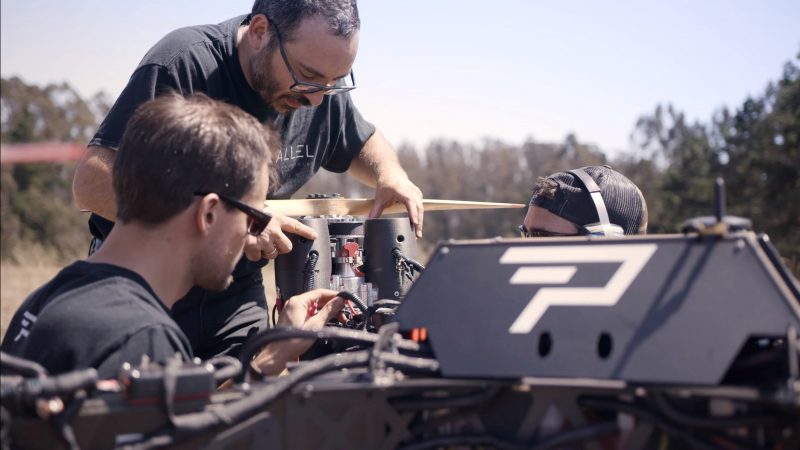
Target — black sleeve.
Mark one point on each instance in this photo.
(145, 84)
(160, 343)
(354, 133)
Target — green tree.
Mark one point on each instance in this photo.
(39, 220)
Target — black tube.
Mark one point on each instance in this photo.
(60, 385)
(558, 440)
(413, 262)
(577, 435)
(686, 420)
(308, 271)
(189, 425)
(357, 300)
(353, 298)
(719, 199)
(453, 401)
(646, 416)
(5, 428)
(21, 366)
(386, 302)
(231, 367)
(334, 333)
(410, 363)
(471, 440)
(192, 424)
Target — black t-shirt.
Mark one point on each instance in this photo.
(205, 59)
(94, 315)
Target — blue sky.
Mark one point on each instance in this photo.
(507, 69)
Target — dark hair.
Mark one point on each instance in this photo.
(341, 15)
(175, 146)
(565, 196)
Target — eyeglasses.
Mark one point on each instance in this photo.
(306, 87)
(526, 233)
(257, 220)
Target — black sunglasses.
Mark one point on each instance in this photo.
(306, 87)
(526, 233)
(257, 220)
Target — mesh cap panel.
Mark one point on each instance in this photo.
(624, 201)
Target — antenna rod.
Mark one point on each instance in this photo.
(719, 199)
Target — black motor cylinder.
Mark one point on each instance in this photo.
(308, 265)
(384, 240)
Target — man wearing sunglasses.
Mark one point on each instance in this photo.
(590, 201)
(288, 64)
(190, 178)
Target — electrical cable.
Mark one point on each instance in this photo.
(64, 385)
(21, 366)
(386, 302)
(415, 264)
(471, 440)
(308, 271)
(480, 396)
(266, 337)
(686, 420)
(189, 425)
(357, 300)
(411, 263)
(230, 367)
(558, 440)
(646, 416)
(5, 428)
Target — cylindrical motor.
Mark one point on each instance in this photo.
(347, 241)
(386, 241)
(308, 265)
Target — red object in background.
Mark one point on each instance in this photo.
(40, 152)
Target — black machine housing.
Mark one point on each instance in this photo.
(375, 259)
(676, 341)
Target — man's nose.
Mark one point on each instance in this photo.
(316, 98)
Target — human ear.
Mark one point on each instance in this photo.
(258, 32)
(206, 213)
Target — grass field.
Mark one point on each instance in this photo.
(17, 282)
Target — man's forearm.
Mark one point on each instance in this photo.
(92, 185)
(378, 166)
(377, 160)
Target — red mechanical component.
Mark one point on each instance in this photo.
(350, 249)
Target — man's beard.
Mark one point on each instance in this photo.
(267, 87)
(213, 271)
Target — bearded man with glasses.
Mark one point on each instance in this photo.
(288, 64)
(189, 182)
(590, 201)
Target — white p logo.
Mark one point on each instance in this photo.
(632, 256)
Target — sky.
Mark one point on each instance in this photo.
(463, 69)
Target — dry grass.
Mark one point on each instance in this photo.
(17, 282)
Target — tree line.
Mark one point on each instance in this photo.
(755, 147)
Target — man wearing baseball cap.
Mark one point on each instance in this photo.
(590, 201)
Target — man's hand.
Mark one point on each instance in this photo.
(273, 241)
(399, 189)
(309, 311)
(377, 166)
